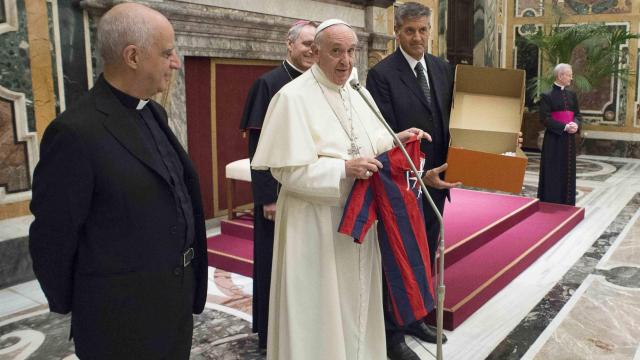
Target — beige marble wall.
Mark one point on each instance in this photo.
(296, 9)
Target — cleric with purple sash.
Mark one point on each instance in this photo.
(560, 114)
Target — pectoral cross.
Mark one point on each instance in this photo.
(354, 149)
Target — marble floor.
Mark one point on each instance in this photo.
(580, 300)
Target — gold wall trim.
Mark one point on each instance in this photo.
(44, 102)
(16, 209)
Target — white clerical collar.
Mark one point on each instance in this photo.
(293, 66)
(412, 62)
(558, 85)
(324, 80)
(141, 104)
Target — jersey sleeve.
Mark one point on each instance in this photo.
(359, 211)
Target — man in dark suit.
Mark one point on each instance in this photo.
(414, 89)
(118, 238)
(299, 59)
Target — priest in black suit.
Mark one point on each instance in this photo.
(265, 188)
(118, 238)
(413, 89)
(560, 115)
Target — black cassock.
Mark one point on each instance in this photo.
(557, 182)
(265, 191)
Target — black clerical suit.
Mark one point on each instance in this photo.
(557, 182)
(265, 191)
(118, 216)
(397, 93)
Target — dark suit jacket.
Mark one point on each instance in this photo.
(104, 242)
(394, 88)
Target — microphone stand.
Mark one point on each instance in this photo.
(355, 84)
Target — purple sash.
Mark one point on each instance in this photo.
(563, 117)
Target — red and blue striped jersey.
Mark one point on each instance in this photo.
(392, 196)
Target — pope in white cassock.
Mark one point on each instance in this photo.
(318, 137)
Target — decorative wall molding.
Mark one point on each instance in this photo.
(11, 14)
(23, 134)
(529, 8)
(223, 33)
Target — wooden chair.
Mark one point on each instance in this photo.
(238, 170)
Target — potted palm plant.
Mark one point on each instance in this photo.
(596, 48)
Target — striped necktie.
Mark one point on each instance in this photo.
(422, 80)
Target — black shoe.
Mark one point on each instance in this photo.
(424, 332)
(401, 351)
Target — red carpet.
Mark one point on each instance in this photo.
(489, 240)
(232, 250)
(473, 218)
(480, 274)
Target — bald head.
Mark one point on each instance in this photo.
(127, 24)
(137, 46)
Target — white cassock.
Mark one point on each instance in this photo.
(326, 290)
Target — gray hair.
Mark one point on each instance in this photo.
(119, 30)
(295, 30)
(560, 68)
(410, 10)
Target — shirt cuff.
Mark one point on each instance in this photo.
(343, 171)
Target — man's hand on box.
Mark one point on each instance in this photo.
(520, 140)
(432, 178)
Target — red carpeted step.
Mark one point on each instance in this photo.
(473, 280)
(231, 253)
(241, 227)
(474, 217)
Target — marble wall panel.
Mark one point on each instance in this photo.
(594, 7)
(479, 36)
(486, 38)
(529, 8)
(74, 62)
(526, 58)
(442, 28)
(3, 15)
(15, 71)
(96, 66)
(14, 165)
(636, 121)
(606, 104)
(297, 9)
(57, 73)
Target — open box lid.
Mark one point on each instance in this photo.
(488, 99)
